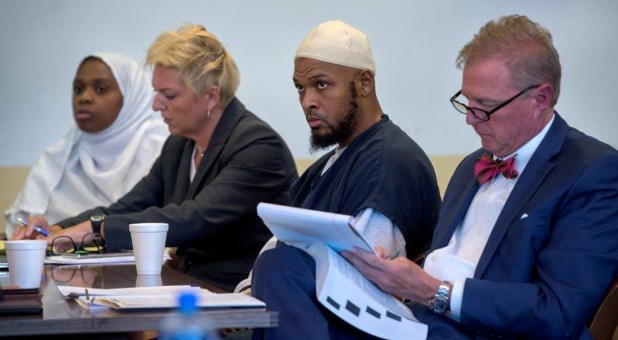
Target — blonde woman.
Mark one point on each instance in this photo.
(219, 163)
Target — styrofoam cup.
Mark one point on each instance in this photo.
(148, 244)
(25, 258)
(148, 281)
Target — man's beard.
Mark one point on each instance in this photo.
(341, 132)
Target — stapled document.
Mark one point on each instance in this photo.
(157, 297)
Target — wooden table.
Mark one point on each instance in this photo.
(62, 316)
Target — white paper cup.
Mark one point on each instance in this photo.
(148, 244)
(25, 259)
(148, 281)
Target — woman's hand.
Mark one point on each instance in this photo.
(27, 232)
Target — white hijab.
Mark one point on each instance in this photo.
(84, 170)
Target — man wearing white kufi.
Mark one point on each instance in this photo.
(376, 173)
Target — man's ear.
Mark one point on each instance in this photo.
(543, 97)
(366, 80)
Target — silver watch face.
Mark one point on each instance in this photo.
(438, 305)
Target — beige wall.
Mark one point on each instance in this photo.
(12, 178)
(445, 166)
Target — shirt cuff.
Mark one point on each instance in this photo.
(456, 299)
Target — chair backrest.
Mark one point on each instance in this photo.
(605, 321)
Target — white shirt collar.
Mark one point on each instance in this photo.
(333, 158)
(527, 150)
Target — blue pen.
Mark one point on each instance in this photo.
(37, 228)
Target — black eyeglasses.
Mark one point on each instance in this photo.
(480, 113)
(91, 243)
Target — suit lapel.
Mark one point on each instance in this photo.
(229, 119)
(182, 177)
(206, 164)
(534, 174)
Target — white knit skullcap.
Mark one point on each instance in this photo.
(338, 43)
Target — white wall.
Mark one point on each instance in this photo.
(415, 44)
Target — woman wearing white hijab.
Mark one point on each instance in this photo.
(112, 146)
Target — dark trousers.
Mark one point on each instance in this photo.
(284, 278)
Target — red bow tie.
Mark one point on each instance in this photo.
(486, 168)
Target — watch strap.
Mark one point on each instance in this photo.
(97, 221)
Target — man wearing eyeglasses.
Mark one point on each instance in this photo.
(527, 240)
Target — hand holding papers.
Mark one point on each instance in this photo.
(303, 227)
(340, 287)
(348, 294)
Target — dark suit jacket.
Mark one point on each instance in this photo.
(554, 249)
(213, 219)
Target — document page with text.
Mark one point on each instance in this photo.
(348, 294)
(340, 287)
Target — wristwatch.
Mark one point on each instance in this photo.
(440, 304)
(96, 221)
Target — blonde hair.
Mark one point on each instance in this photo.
(525, 46)
(200, 58)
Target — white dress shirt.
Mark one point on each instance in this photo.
(458, 260)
